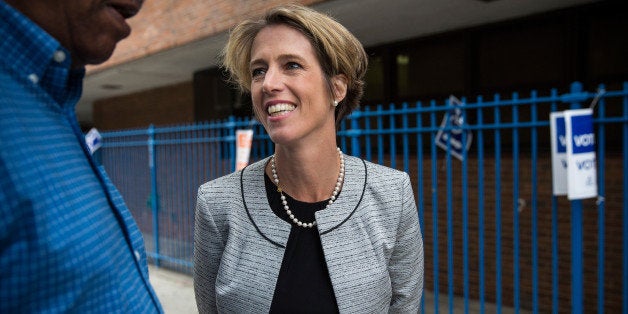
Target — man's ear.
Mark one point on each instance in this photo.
(339, 85)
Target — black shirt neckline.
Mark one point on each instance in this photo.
(303, 284)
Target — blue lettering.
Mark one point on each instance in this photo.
(586, 164)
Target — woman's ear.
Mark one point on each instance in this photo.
(339, 84)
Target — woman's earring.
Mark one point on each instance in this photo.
(335, 103)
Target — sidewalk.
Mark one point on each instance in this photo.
(176, 293)
(175, 290)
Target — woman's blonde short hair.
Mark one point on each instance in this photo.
(338, 51)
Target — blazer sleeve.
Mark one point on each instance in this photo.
(406, 262)
(208, 248)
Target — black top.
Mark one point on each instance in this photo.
(303, 285)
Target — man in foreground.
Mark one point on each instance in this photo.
(68, 243)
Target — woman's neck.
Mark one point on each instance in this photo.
(308, 174)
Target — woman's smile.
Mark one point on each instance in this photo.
(280, 109)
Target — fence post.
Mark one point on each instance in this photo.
(154, 199)
(577, 255)
(231, 140)
(354, 133)
(625, 205)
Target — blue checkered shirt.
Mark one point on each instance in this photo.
(68, 243)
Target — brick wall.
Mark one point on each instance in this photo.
(165, 24)
(612, 231)
(161, 106)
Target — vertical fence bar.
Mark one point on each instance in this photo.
(576, 257)
(213, 149)
(354, 133)
(404, 137)
(498, 209)
(535, 256)
(153, 189)
(434, 161)
(343, 139)
(176, 151)
(226, 147)
(601, 148)
(515, 198)
(198, 180)
(554, 97)
(450, 224)
(465, 211)
(230, 139)
(420, 192)
(392, 137)
(220, 147)
(380, 136)
(625, 203)
(367, 137)
(269, 143)
(577, 267)
(480, 147)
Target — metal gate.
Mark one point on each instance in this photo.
(495, 236)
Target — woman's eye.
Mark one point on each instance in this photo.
(257, 72)
(293, 65)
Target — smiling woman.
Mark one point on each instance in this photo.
(308, 229)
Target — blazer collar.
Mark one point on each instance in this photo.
(276, 230)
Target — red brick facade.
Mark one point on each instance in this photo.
(162, 106)
(165, 24)
(612, 234)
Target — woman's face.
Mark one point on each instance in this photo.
(291, 97)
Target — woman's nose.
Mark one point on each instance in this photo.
(273, 81)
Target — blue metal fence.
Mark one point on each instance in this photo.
(494, 233)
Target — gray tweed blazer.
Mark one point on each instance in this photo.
(370, 236)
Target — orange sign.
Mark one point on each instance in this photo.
(244, 140)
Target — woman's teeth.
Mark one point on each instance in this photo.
(280, 109)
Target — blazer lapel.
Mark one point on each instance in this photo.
(346, 204)
(270, 227)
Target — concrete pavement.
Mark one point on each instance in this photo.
(176, 293)
(175, 290)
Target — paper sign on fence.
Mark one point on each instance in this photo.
(559, 153)
(581, 166)
(457, 140)
(244, 140)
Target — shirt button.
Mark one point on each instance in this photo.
(33, 78)
(59, 56)
(137, 255)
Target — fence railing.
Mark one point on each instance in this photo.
(481, 169)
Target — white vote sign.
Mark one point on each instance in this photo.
(580, 149)
(559, 153)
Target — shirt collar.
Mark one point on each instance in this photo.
(36, 56)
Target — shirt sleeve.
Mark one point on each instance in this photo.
(208, 248)
(406, 262)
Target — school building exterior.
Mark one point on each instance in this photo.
(166, 73)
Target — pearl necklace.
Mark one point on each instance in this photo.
(299, 223)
